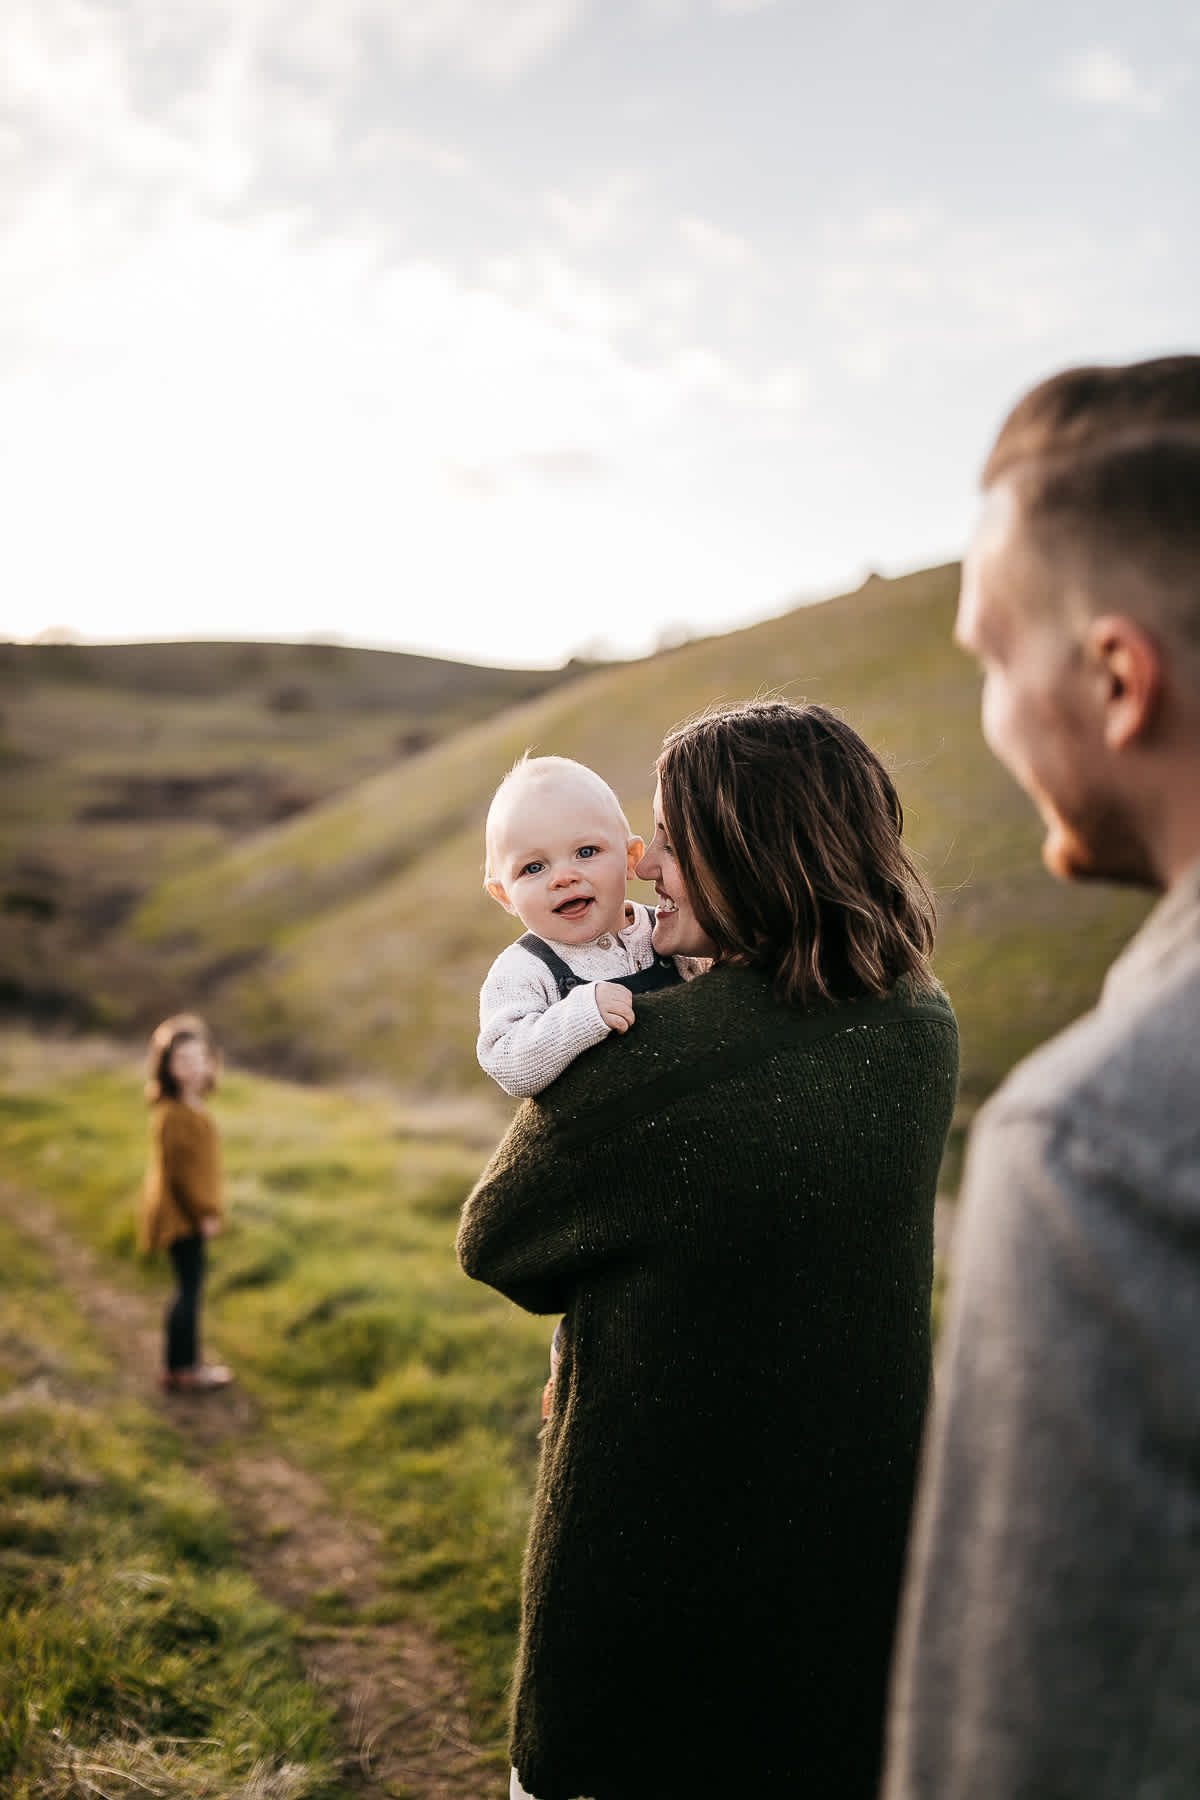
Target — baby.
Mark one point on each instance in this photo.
(559, 853)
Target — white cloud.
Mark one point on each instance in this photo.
(671, 11)
(561, 467)
(898, 224)
(1101, 76)
(68, 80)
(566, 464)
(384, 146)
(664, 12)
(718, 246)
(867, 356)
(892, 303)
(785, 389)
(496, 39)
(543, 282)
(597, 215)
(281, 329)
(247, 415)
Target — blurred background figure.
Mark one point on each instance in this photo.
(183, 1203)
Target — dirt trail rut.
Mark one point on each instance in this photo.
(399, 1699)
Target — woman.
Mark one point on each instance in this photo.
(182, 1205)
(733, 1207)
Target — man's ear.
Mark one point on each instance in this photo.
(635, 849)
(498, 894)
(1131, 666)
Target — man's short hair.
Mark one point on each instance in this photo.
(1104, 463)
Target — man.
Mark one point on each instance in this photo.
(1050, 1644)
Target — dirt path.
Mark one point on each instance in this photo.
(399, 1699)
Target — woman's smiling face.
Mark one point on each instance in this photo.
(677, 932)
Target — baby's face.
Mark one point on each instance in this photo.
(561, 858)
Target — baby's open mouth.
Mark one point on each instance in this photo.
(574, 909)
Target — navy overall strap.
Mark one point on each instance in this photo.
(561, 971)
(661, 973)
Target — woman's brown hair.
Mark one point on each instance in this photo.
(786, 828)
(178, 1029)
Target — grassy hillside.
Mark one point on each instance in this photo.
(413, 1393)
(136, 1659)
(124, 763)
(354, 937)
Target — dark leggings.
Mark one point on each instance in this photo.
(183, 1314)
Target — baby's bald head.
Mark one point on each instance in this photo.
(537, 781)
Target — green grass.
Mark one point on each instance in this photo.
(133, 1657)
(335, 1293)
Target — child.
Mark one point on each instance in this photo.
(559, 853)
(182, 1203)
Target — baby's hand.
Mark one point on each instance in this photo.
(616, 1005)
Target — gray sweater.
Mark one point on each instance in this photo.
(733, 1205)
(1051, 1639)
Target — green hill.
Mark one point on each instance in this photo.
(124, 763)
(354, 937)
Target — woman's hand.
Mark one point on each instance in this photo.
(616, 1005)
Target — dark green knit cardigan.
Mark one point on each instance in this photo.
(733, 1206)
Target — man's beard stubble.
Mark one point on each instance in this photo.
(1101, 844)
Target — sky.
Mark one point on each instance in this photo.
(515, 329)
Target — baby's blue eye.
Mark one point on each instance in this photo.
(532, 868)
(586, 850)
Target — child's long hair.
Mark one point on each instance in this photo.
(786, 828)
(178, 1029)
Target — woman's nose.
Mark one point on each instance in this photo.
(646, 869)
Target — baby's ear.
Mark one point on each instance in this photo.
(498, 894)
(635, 849)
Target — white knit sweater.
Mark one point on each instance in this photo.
(527, 1035)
